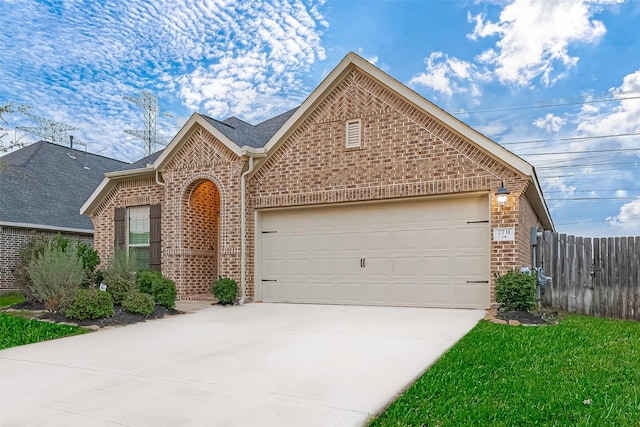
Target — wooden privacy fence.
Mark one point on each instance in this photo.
(598, 277)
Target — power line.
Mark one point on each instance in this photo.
(591, 198)
(588, 164)
(536, 106)
(588, 191)
(575, 138)
(556, 153)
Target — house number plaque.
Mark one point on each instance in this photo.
(504, 234)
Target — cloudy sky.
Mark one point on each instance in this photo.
(555, 81)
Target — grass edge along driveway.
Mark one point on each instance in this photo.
(15, 331)
(583, 372)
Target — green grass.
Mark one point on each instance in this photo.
(15, 331)
(500, 375)
(12, 298)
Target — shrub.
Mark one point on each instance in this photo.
(90, 261)
(225, 290)
(118, 287)
(516, 291)
(161, 288)
(145, 279)
(119, 275)
(53, 274)
(137, 302)
(88, 304)
(32, 250)
(121, 266)
(164, 292)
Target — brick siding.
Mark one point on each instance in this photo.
(404, 153)
(12, 239)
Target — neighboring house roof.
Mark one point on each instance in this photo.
(42, 186)
(264, 139)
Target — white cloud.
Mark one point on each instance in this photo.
(628, 219)
(534, 38)
(448, 75)
(623, 117)
(221, 57)
(550, 123)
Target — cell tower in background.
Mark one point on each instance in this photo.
(51, 131)
(149, 102)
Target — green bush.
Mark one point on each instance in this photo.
(516, 291)
(88, 304)
(53, 274)
(164, 292)
(90, 261)
(32, 250)
(225, 290)
(118, 287)
(145, 279)
(119, 275)
(154, 283)
(121, 266)
(137, 302)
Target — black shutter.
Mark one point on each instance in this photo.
(155, 237)
(120, 214)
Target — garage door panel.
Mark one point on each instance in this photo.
(272, 244)
(470, 238)
(348, 293)
(297, 291)
(347, 242)
(405, 240)
(413, 252)
(298, 267)
(321, 267)
(469, 266)
(470, 294)
(437, 238)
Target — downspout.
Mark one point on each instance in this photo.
(158, 180)
(243, 223)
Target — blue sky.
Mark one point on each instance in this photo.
(556, 82)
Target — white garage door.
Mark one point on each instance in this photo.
(428, 253)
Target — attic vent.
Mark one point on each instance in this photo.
(353, 133)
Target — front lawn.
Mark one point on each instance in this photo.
(583, 372)
(15, 331)
(12, 298)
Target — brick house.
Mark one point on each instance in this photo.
(365, 194)
(42, 186)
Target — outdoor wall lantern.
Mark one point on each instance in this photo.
(502, 195)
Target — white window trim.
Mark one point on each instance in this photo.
(128, 245)
(353, 140)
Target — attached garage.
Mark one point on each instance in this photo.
(427, 252)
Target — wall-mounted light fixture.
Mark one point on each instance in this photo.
(502, 195)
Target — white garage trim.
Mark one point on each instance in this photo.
(427, 252)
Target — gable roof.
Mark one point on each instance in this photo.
(264, 138)
(42, 186)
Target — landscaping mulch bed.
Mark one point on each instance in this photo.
(545, 317)
(120, 317)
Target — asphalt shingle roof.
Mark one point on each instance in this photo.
(47, 183)
(245, 134)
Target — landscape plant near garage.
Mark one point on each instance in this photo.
(88, 304)
(225, 290)
(137, 302)
(516, 291)
(582, 372)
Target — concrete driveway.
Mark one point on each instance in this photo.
(258, 364)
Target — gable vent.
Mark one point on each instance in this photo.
(353, 133)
